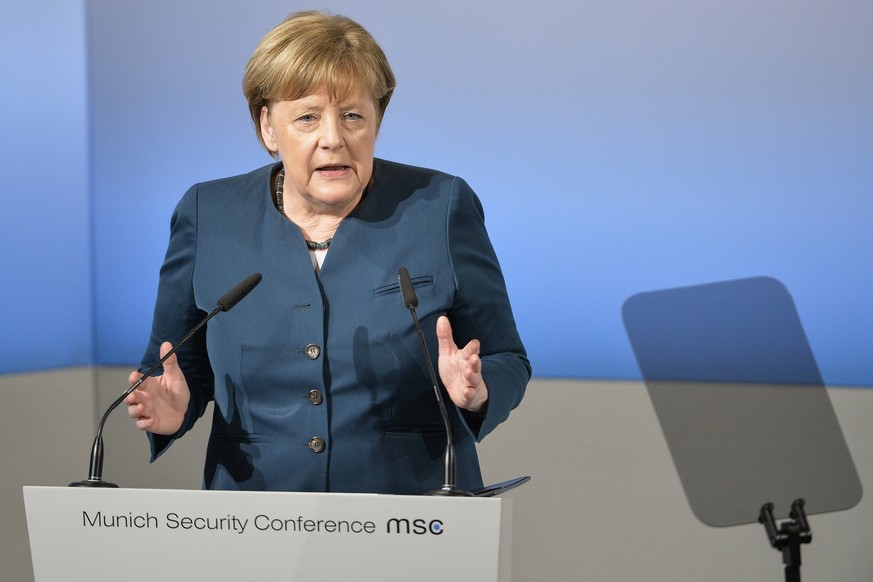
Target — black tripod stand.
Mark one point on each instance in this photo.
(788, 538)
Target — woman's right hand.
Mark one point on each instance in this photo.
(158, 404)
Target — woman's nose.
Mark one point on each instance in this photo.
(331, 136)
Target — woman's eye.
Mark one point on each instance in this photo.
(352, 116)
(308, 118)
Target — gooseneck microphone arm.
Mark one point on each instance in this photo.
(449, 487)
(226, 303)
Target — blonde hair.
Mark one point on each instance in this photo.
(316, 51)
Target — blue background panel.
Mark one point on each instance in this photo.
(618, 147)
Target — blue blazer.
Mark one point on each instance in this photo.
(318, 379)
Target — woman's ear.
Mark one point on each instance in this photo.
(267, 130)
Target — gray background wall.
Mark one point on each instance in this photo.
(604, 504)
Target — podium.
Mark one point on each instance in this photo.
(154, 534)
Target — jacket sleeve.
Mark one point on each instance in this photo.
(175, 313)
(482, 311)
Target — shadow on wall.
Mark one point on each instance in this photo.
(740, 400)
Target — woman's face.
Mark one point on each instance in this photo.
(326, 147)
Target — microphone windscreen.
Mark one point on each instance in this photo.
(235, 295)
(406, 289)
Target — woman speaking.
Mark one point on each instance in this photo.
(317, 377)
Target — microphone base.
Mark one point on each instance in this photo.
(449, 491)
(93, 483)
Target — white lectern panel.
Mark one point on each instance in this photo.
(163, 535)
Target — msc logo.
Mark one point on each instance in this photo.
(418, 527)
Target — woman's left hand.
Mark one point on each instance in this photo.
(460, 369)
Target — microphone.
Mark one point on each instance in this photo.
(449, 487)
(226, 303)
(229, 300)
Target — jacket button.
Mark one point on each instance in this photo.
(316, 445)
(315, 397)
(312, 351)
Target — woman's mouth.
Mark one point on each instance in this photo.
(332, 169)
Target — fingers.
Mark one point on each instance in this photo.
(133, 397)
(473, 363)
(171, 364)
(467, 358)
(447, 341)
(134, 409)
(139, 395)
(144, 423)
(461, 369)
(137, 400)
(471, 350)
(159, 403)
(136, 405)
(140, 408)
(444, 336)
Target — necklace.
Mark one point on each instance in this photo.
(318, 246)
(280, 185)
